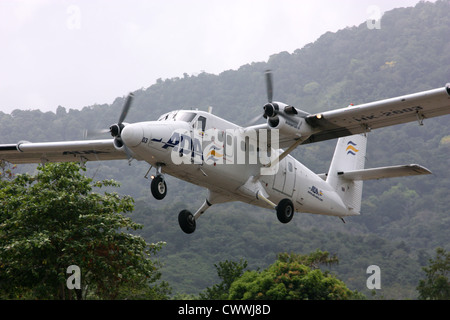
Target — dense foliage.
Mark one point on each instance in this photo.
(53, 220)
(292, 277)
(436, 285)
(403, 220)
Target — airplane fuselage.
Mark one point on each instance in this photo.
(228, 179)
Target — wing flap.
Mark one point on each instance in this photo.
(67, 151)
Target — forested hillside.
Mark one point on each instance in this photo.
(403, 220)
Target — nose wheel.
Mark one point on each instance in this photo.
(158, 187)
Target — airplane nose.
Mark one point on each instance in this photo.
(132, 135)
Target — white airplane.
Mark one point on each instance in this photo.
(252, 164)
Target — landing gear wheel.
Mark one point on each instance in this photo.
(158, 188)
(186, 221)
(285, 211)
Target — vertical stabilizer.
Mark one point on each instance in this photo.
(350, 154)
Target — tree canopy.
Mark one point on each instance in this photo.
(436, 285)
(292, 277)
(54, 220)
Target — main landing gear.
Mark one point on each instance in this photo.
(285, 211)
(285, 208)
(187, 220)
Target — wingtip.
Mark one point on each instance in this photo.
(420, 169)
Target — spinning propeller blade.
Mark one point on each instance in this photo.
(269, 85)
(126, 108)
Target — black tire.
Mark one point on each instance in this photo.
(158, 188)
(285, 211)
(186, 221)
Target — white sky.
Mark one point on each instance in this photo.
(77, 53)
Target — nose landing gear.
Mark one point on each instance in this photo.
(158, 186)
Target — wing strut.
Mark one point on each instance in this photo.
(285, 153)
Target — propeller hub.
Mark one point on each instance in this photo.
(271, 109)
(116, 129)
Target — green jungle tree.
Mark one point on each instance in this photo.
(293, 277)
(436, 286)
(53, 220)
(228, 271)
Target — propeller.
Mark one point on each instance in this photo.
(116, 129)
(270, 108)
(269, 85)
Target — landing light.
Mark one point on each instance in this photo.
(319, 116)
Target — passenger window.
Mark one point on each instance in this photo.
(229, 139)
(243, 146)
(290, 168)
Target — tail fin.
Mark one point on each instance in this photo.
(350, 154)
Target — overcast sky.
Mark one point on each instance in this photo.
(81, 52)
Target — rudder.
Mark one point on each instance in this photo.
(350, 154)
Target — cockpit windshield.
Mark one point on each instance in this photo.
(185, 116)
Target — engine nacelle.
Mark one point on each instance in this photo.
(118, 143)
(271, 109)
(288, 119)
(290, 125)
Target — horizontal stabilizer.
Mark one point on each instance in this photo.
(384, 172)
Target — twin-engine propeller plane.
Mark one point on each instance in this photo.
(252, 164)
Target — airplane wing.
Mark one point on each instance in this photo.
(362, 118)
(67, 151)
(309, 128)
(366, 117)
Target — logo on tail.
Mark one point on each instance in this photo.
(351, 148)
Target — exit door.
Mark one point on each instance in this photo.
(284, 180)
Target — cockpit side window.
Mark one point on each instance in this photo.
(201, 123)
